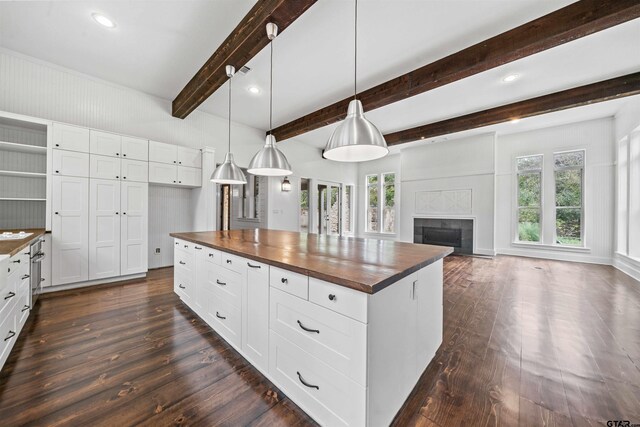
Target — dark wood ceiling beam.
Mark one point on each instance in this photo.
(246, 40)
(606, 90)
(564, 25)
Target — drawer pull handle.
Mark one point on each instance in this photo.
(306, 383)
(307, 329)
(332, 297)
(10, 295)
(220, 283)
(26, 276)
(11, 335)
(284, 280)
(25, 308)
(177, 243)
(220, 317)
(181, 287)
(197, 247)
(253, 266)
(210, 255)
(183, 263)
(186, 246)
(228, 261)
(16, 261)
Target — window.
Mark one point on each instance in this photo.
(381, 203)
(304, 205)
(250, 198)
(569, 182)
(529, 176)
(348, 210)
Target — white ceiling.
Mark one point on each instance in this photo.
(158, 46)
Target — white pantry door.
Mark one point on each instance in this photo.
(104, 228)
(70, 230)
(133, 244)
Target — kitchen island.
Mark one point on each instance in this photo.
(343, 326)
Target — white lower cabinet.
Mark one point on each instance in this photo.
(104, 228)
(134, 205)
(70, 230)
(345, 357)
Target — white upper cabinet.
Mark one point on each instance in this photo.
(70, 163)
(189, 157)
(134, 170)
(104, 167)
(162, 173)
(191, 177)
(71, 138)
(135, 148)
(105, 144)
(163, 153)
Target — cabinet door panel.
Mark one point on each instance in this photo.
(429, 299)
(70, 163)
(104, 228)
(135, 148)
(189, 157)
(190, 177)
(71, 138)
(105, 144)
(255, 313)
(134, 205)
(134, 170)
(161, 173)
(69, 230)
(104, 167)
(163, 153)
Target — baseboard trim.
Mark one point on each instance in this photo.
(91, 283)
(627, 265)
(557, 256)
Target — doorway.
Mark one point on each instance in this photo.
(224, 220)
(329, 208)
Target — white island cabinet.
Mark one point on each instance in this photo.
(346, 357)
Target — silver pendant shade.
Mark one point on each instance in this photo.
(228, 172)
(270, 161)
(355, 139)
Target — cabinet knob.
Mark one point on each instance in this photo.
(117, 154)
(174, 182)
(56, 213)
(284, 280)
(179, 182)
(124, 155)
(57, 145)
(179, 163)
(332, 297)
(57, 171)
(174, 161)
(124, 213)
(117, 176)
(228, 261)
(124, 177)
(116, 213)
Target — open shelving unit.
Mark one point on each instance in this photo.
(23, 177)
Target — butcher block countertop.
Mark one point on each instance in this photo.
(366, 265)
(12, 247)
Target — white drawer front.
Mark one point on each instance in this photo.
(182, 284)
(339, 299)
(8, 333)
(232, 262)
(335, 339)
(290, 282)
(24, 299)
(213, 256)
(227, 285)
(9, 294)
(225, 319)
(329, 397)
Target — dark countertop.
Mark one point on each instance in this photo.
(366, 265)
(12, 247)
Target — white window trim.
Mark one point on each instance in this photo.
(582, 200)
(379, 232)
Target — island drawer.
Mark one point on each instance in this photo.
(211, 255)
(335, 339)
(8, 294)
(225, 284)
(232, 262)
(8, 332)
(290, 282)
(183, 285)
(183, 261)
(329, 397)
(185, 245)
(337, 298)
(225, 319)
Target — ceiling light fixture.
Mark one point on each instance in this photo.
(103, 20)
(253, 89)
(228, 172)
(511, 78)
(355, 139)
(270, 161)
(514, 121)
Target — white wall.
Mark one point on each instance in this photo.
(462, 164)
(597, 138)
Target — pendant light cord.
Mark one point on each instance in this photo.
(230, 77)
(271, 91)
(355, 51)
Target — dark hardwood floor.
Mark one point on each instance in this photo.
(526, 342)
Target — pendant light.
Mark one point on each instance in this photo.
(270, 161)
(355, 139)
(228, 172)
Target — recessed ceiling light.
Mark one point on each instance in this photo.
(514, 121)
(103, 20)
(254, 90)
(511, 77)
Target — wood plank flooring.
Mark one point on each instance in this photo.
(526, 342)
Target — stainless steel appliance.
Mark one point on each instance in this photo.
(35, 272)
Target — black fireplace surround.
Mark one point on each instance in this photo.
(457, 233)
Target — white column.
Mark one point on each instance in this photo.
(203, 199)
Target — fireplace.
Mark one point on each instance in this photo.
(457, 233)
